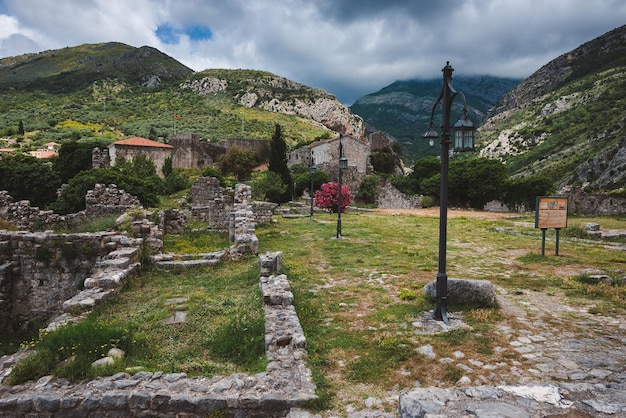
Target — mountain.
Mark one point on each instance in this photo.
(70, 69)
(113, 90)
(403, 108)
(567, 120)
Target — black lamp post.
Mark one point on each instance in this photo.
(463, 141)
(343, 164)
(312, 170)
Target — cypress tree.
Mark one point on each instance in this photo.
(278, 164)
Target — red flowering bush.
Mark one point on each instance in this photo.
(327, 197)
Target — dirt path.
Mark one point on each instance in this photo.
(452, 213)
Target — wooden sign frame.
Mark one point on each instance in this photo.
(551, 212)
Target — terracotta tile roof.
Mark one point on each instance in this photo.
(141, 142)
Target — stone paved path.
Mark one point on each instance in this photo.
(573, 365)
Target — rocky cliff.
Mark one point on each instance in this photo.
(602, 52)
(278, 94)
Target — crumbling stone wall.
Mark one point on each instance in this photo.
(102, 200)
(100, 158)
(211, 203)
(40, 270)
(391, 198)
(602, 204)
(286, 383)
(107, 200)
(27, 217)
(241, 230)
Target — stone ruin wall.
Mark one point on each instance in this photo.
(601, 204)
(286, 383)
(209, 202)
(41, 270)
(102, 200)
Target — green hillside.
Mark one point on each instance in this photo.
(403, 108)
(99, 90)
(574, 131)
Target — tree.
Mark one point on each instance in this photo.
(327, 197)
(73, 197)
(20, 128)
(426, 167)
(278, 164)
(238, 161)
(368, 190)
(476, 181)
(268, 184)
(383, 161)
(523, 192)
(29, 178)
(75, 157)
(167, 167)
(425, 174)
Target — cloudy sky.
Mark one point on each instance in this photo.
(347, 47)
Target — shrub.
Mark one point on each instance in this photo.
(427, 202)
(268, 185)
(327, 197)
(383, 161)
(368, 190)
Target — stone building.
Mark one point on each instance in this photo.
(190, 152)
(326, 152)
(324, 155)
(132, 147)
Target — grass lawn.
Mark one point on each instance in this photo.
(357, 297)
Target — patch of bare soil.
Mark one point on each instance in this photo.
(452, 213)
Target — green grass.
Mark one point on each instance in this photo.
(195, 242)
(357, 298)
(223, 334)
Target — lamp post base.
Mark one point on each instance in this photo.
(440, 313)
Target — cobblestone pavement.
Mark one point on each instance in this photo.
(573, 364)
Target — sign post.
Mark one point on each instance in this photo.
(551, 213)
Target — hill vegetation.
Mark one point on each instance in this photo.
(567, 121)
(113, 91)
(403, 108)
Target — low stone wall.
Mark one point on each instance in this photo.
(600, 204)
(106, 200)
(286, 383)
(102, 200)
(27, 217)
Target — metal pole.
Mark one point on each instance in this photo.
(311, 191)
(556, 251)
(339, 205)
(441, 310)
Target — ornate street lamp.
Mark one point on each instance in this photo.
(312, 170)
(343, 164)
(463, 141)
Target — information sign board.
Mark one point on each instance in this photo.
(551, 212)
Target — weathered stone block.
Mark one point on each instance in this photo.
(464, 292)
